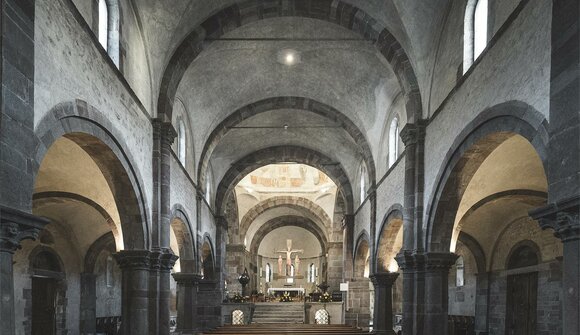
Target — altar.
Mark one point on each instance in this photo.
(277, 291)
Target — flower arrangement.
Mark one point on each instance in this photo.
(286, 297)
(237, 298)
(325, 297)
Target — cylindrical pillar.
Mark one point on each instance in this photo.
(166, 263)
(383, 315)
(15, 226)
(437, 267)
(135, 265)
(186, 300)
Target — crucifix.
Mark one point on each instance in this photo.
(288, 253)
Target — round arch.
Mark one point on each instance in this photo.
(87, 127)
(473, 145)
(362, 252)
(282, 201)
(207, 257)
(282, 103)
(280, 154)
(183, 231)
(287, 221)
(336, 12)
(388, 232)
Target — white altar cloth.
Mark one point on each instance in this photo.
(286, 289)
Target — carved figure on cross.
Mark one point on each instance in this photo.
(288, 253)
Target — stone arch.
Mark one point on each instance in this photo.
(476, 250)
(332, 11)
(183, 231)
(388, 231)
(471, 147)
(527, 244)
(88, 128)
(46, 196)
(283, 154)
(286, 221)
(362, 242)
(280, 201)
(207, 257)
(58, 269)
(105, 242)
(282, 103)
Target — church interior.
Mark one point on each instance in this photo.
(290, 167)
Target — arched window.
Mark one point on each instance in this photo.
(362, 183)
(475, 31)
(460, 275)
(104, 24)
(393, 141)
(181, 142)
(479, 28)
(311, 273)
(208, 188)
(108, 28)
(268, 273)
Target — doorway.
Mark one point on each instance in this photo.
(521, 304)
(522, 291)
(44, 294)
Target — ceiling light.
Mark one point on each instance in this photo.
(288, 57)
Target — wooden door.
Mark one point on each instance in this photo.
(522, 291)
(43, 306)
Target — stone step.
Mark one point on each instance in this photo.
(288, 313)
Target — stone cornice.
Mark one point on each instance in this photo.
(16, 226)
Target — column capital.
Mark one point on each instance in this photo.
(185, 278)
(562, 217)
(428, 261)
(347, 220)
(164, 131)
(16, 226)
(383, 279)
(167, 260)
(439, 261)
(133, 259)
(412, 132)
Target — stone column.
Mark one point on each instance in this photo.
(135, 266)
(348, 246)
(383, 316)
(15, 226)
(186, 300)
(88, 317)
(564, 220)
(166, 263)
(437, 267)
(409, 137)
(159, 280)
(413, 277)
(563, 163)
